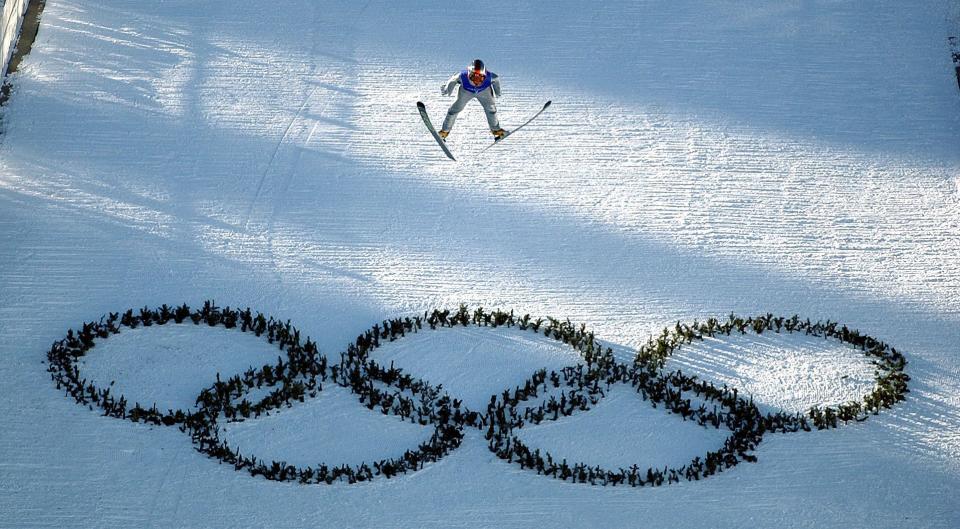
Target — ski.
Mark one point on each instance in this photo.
(525, 123)
(426, 121)
(955, 55)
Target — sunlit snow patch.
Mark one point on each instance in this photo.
(781, 371)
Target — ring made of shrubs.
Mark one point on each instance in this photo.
(301, 372)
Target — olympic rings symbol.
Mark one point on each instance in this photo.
(391, 391)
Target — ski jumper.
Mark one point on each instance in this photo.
(486, 94)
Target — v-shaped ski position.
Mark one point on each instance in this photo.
(443, 145)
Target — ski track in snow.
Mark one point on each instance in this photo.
(786, 157)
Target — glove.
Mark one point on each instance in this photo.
(443, 90)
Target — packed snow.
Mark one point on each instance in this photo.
(797, 157)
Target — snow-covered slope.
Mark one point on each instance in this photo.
(749, 157)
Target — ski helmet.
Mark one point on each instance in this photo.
(477, 67)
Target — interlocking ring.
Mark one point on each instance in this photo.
(391, 391)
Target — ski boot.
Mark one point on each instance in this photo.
(443, 134)
(498, 134)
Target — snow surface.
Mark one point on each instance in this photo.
(699, 158)
(781, 372)
(474, 363)
(170, 365)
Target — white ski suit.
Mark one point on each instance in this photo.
(486, 94)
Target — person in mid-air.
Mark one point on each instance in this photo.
(475, 82)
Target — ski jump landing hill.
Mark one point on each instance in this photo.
(706, 171)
